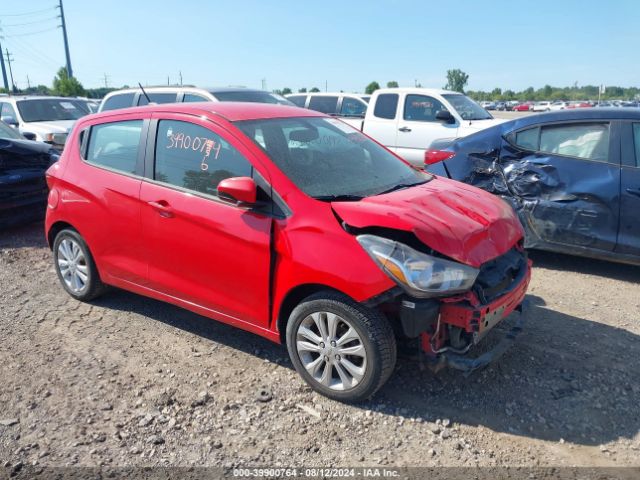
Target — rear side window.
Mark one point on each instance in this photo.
(421, 108)
(192, 97)
(589, 141)
(193, 157)
(121, 100)
(157, 98)
(324, 104)
(386, 106)
(636, 141)
(7, 111)
(352, 107)
(298, 100)
(115, 145)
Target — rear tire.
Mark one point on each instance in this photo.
(75, 266)
(342, 349)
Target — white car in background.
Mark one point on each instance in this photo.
(45, 119)
(541, 107)
(350, 105)
(558, 106)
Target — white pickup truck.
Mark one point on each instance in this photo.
(407, 120)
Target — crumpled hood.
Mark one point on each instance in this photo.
(457, 220)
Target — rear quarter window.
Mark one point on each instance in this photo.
(386, 106)
(115, 145)
(121, 100)
(324, 104)
(298, 100)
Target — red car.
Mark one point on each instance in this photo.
(523, 107)
(289, 224)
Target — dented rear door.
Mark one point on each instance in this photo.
(564, 180)
(629, 236)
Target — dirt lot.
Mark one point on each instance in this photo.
(131, 381)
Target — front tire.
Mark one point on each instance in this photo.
(75, 266)
(342, 349)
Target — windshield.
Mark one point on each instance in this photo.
(467, 108)
(8, 132)
(249, 96)
(330, 160)
(49, 109)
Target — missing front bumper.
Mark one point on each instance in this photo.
(469, 365)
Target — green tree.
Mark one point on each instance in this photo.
(456, 80)
(286, 91)
(302, 90)
(372, 87)
(496, 93)
(66, 86)
(314, 90)
(392, 84)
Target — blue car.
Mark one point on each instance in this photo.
(573, 176)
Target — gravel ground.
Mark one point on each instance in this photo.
(130, 381)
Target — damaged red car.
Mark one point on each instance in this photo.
(291, 225)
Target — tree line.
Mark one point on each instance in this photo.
(457, 80)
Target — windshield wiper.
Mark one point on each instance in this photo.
(339, 198)
(401, 186)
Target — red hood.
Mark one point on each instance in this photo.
(457, 220)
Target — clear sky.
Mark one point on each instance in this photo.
(500, 43)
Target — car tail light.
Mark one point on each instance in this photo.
(435, 156)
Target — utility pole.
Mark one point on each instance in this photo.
(66, 41)
(106, 80)
(264, 84)
(13, 85)
(180, 73)
(325, 86)
(4, 71)
(28, 82)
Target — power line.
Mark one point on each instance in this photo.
(32, 33)
(35, 12)
(33, 52)
(27, 23)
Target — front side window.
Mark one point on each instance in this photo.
(49, 109)
(330, 160)
(386, 106)
(157, 98)
(121, 100)
(589, 141)
(324, 104)
(193, 157)
(636, 141)
(298, 100)
(115, 145)
(192, 97)
(421, 108)
(353, 107)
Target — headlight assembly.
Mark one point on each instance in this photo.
(421, 275)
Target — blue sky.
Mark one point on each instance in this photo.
(509, 44)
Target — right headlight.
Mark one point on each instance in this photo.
(421, 275)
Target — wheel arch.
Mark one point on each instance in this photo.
(293, 299)
(56, 228)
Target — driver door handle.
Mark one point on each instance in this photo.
(163, 208)
(634, 191)
(404, 129)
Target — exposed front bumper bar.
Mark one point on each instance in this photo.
(469, 365)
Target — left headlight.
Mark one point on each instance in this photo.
(421, 275)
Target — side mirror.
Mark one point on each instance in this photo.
(9, 120)
(29, 135)
(238, 190)
(445, 116)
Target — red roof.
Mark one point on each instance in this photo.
(231, 111)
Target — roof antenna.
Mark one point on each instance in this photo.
(145, 93)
